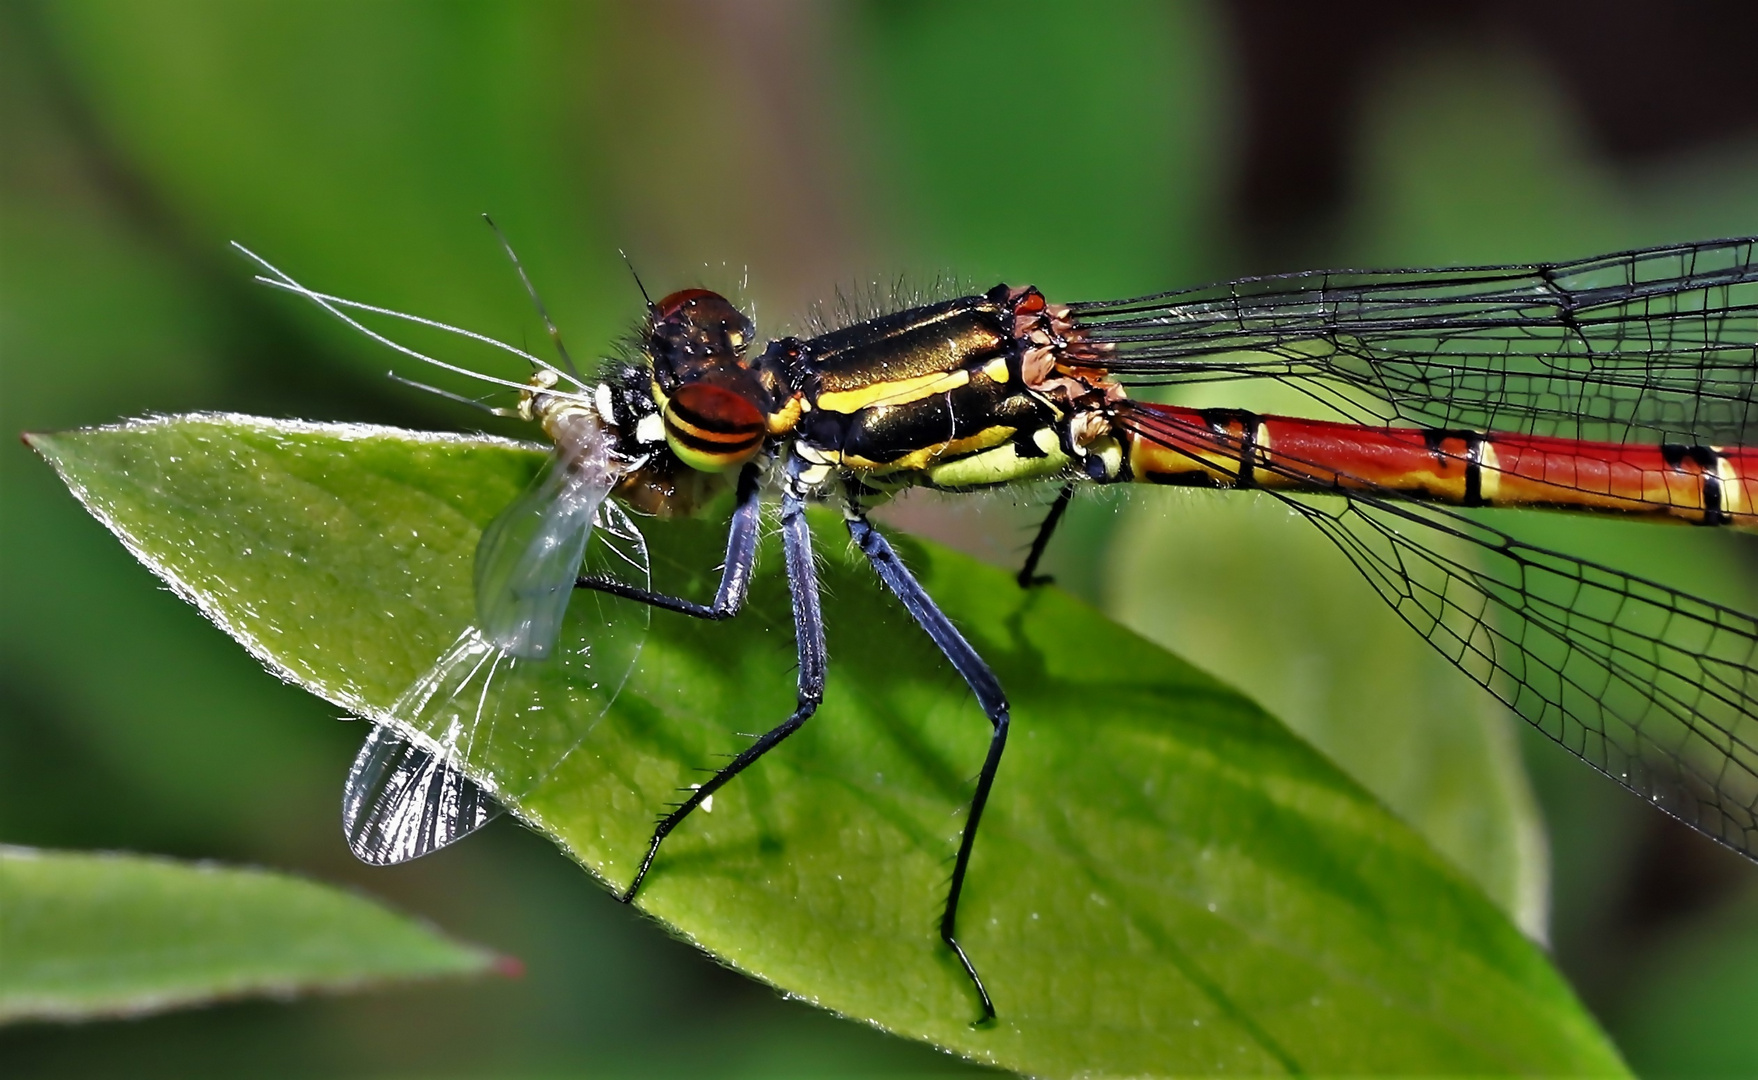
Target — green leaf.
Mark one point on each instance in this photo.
(1246, 590)
(1167, 882)
(93, 936)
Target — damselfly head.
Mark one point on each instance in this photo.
(687, 406)
(714, 401)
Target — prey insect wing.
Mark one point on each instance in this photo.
(402, 801)
(530, 555)
(483, 725)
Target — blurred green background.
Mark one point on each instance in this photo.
(796, 152)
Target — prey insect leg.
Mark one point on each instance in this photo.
(802, 578)
(989, 695)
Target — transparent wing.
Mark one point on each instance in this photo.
(529, 556)
(1654, 687)
(1651, 686)
(1659, 344)
(483, 724)
(403, 801)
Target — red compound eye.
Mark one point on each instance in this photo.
(713, 428)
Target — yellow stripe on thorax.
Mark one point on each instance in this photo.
(894, 392)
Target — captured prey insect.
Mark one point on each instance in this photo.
(1625, 384)
(520, 687)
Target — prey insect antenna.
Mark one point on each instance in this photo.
(333, 304)
(459, 398)
(536, 301)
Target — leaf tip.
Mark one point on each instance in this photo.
(45, 444)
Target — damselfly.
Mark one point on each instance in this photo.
(1623, 384)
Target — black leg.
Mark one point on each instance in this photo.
(735, 574)
(989, 695)
(802, 579)
(1028, 573)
